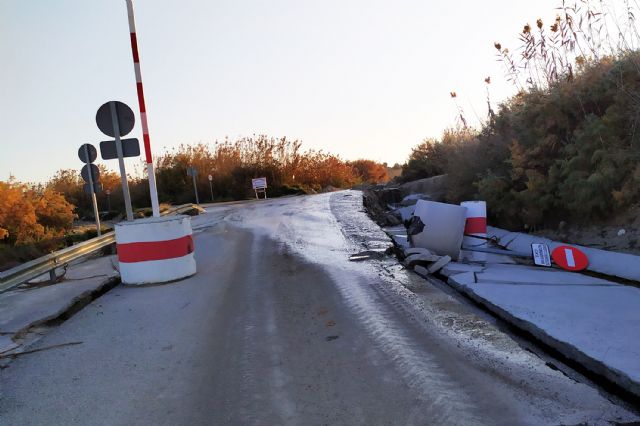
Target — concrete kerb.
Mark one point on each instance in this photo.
(616, 377)
(614, 264)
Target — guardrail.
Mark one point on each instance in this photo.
(40, 266)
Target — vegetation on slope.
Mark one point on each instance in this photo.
(567, 146)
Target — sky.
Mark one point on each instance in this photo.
(358, 78)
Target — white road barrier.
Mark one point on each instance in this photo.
(155, 250)
(443, 227)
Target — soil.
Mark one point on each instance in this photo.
(620, 233)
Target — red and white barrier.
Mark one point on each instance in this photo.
(476, 223)
(155, 250)
(143, 111)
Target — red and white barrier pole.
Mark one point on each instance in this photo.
(143, 112)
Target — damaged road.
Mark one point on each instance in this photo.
(280, 327)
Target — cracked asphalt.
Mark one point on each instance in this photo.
(278, 327)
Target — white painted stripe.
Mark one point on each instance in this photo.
(148, 230)
(132, 24)
(143, 121)
(136, 66)
(570, 260)
(158, 271)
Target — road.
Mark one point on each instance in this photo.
(278, 327)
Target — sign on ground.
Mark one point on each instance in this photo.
(541, 256)
(259, 183)
(570, 258)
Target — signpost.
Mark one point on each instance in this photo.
(90, 173)
(211, 186)
(193, 172)
(108, 192)
(570, 258)
(116, 119)
(260, 186)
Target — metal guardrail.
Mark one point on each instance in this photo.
(40, 266)
(34, 268)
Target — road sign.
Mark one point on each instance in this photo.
(116, 119)
(541, 255)
(210, 178)
(193, 172)
(97, 187)
(87, 149)
(95, 173)
(90, 173)
(259, 183)
(570, 258)
(130, 148)
(124, 114)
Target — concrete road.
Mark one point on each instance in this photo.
(278, 327)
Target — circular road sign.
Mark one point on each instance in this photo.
(570, 258)
(82, 153)
(210, 177)
(95, 173)
(126, 119)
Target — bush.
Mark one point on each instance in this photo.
(567, 152)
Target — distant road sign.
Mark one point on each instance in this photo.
(95, 173)
(570, 258)
(259, 183)
(97, 187)
(210, 178)
(82, 153)
(192, 171)
(130, 148)
(126, 119)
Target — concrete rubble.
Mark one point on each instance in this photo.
(591, 321)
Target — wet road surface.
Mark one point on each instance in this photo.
(278, 327)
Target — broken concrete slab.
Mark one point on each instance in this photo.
(416, 250)
(23, 308)
(418, 258)
(481, 257)
(611, 263)
(404, 213)
(591, 321)
(457, 268)
(439, 264)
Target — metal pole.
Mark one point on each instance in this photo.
(195, 188)
(211, 187)
(155, 206)
(93, 194)
(123, 173)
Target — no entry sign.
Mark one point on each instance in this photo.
(570, 258)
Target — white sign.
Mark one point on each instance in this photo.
(259, 183)
(541, 256)
(210, 177)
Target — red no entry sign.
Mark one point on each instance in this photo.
(570, 258)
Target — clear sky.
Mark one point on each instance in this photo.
(359, 78)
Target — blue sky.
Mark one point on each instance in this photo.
(360, 78)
